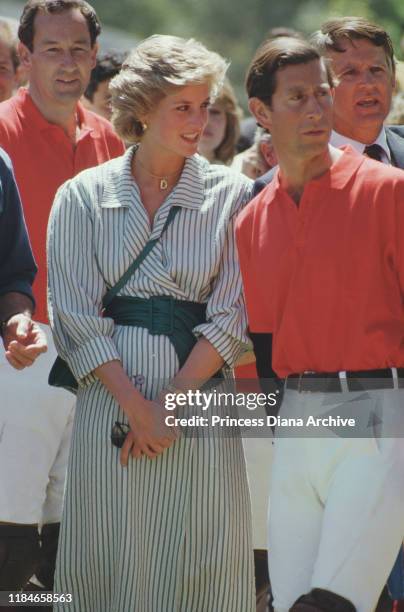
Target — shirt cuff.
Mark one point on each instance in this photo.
(227, 346)
(90, 356)
(18, 287)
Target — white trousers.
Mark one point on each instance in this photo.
(35, 430)
(337, 503)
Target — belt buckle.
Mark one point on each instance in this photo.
(300, 382)
(166, 324)
(394, 375)
(343, 381)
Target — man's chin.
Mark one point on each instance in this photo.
(370, 118)
(72, 94)
(314, 148)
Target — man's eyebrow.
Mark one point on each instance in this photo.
(293, 88)
(79, 41)
(349, 63)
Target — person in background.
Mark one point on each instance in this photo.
(248, 127)
(396, 114)
(257, 159)
(23, 340)
(282, 32)
(49, 138)
(219, 139)
(97, 97)
(9, 62)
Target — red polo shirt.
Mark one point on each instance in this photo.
(43, 159)
(327, 277)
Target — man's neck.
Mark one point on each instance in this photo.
(65, 116)
(366, 136)
(295, 173)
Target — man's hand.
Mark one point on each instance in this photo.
(23, 340)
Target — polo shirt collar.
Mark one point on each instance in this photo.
(344, 168)
(337, 140)
(189, 191)
(27, 107)
(338, 176)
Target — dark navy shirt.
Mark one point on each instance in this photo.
(17, 265)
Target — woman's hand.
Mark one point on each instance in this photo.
(149, 435)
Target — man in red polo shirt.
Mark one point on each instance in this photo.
(50, 137)
(323, 270)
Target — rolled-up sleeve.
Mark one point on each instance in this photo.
(226, 324)
(76, 287)
(17, 265)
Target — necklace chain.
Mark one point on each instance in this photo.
(163, 179)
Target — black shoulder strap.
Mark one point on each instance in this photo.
(112, 292)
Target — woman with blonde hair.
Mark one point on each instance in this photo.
(145, 296)
(219, 138)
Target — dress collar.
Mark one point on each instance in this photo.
(188, 192)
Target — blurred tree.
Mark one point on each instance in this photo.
(235, 28)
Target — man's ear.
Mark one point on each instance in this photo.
(94, 51)
(394, 82)
(24, 54)
(261, 112)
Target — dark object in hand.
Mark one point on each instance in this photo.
(119, 432)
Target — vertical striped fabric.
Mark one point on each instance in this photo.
(172, 534)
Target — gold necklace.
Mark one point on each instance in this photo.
(163, 179)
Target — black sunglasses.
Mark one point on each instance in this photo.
(119, 432)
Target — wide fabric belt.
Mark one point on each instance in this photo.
(338, 382)
(161, 314)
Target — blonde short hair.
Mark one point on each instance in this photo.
(155, 68)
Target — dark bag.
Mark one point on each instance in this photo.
(60, 374)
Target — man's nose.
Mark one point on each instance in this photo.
(68, 60)
(367, 77)
(314, 108)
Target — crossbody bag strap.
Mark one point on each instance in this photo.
(113, 291)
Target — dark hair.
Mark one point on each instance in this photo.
(352, 28)
(273, 55)
(26, 29)
(283, 31)
(108, 65)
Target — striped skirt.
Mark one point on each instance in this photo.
(171, 534)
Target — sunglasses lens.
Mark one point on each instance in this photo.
(119, 432)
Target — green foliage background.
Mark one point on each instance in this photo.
(236, 27)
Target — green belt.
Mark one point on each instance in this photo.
(160, 314)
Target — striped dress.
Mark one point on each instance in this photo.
(171, 534)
